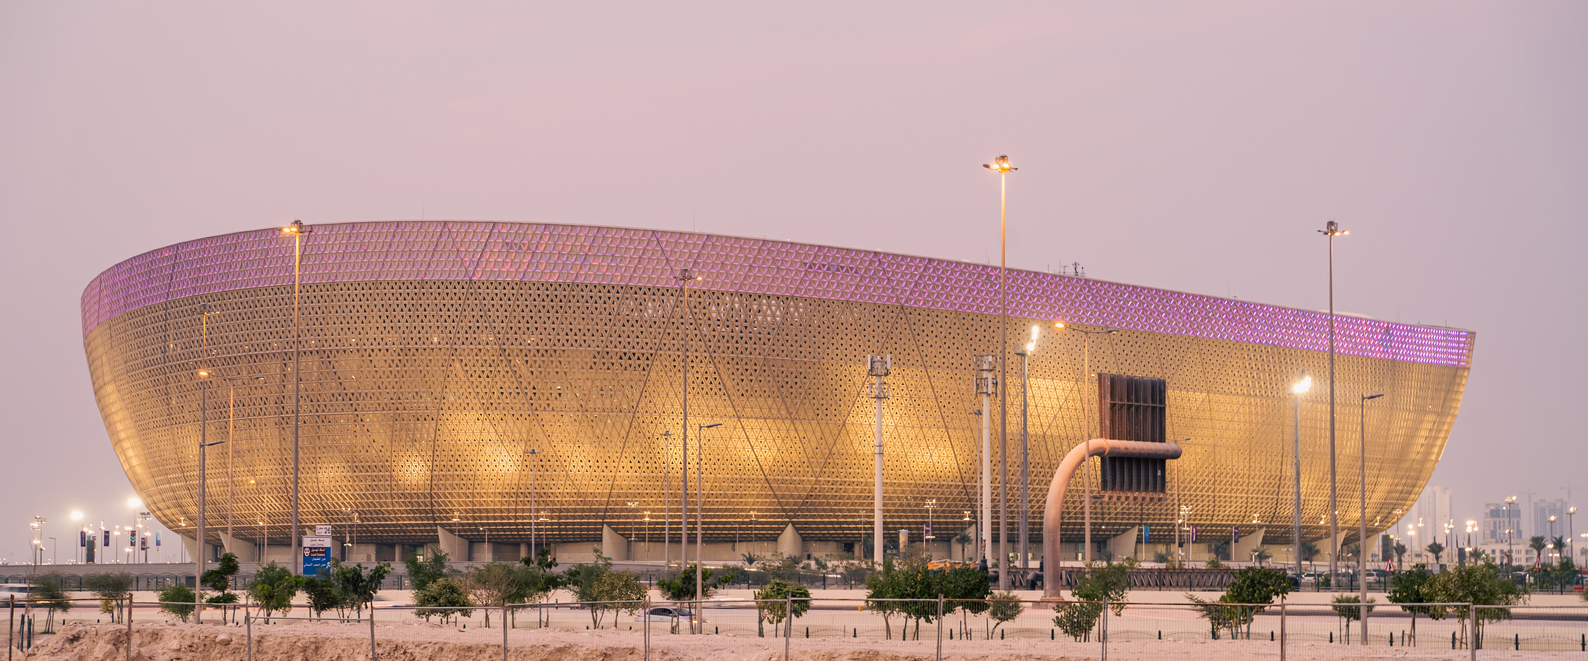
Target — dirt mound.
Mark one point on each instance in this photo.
(418, 641)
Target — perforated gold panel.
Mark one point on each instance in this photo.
(422, 397)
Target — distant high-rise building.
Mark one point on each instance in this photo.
(1542, 510)
(1494, 523)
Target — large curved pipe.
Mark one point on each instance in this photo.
(1054, 511)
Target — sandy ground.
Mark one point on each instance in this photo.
(419, 641)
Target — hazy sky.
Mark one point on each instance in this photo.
(1195, 146)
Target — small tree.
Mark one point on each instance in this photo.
(772, 605)
(1309, 550)
(443, 598)
(273, 589)
(881, 586)
(493, 584)
(178, 600)
(681, 587)
(1537, 543)
(1435, 549)
(47, 589)
(1004, 607)
(111, 588)
(1346, 607)
(1251, 590)
(618, 591)
(965, 589)
(422, 569)
(1110, 583)
(1479, 585)
(1412, 586)
(219, 579)
(322, 593)
(1400, 553)
(963, 539)
(358, 588)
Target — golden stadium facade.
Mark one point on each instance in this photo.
(436, 355)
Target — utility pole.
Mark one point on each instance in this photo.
(986, 383)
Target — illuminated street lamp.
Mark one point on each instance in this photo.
(1086, 423)
(1002, 167)
(1331, 230)
(297, 231)
(1361, 519)
(1571, 515)
(700, 535)
(1025, 450)
(231, 428)
(199, 533)
(1299, 389)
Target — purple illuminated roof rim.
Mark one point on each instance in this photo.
(485, 250)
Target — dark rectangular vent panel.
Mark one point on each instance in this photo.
(1132, 409)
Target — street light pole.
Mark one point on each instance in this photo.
(1002, 167)
(684, 277)
(533, 514)
(1300, 388)
(1025, 452)
(1086, 426)
(878, 367)
(700, 535)
(1361, 519)
(1331, 230)
(231, 428)
(297, 231)
(985, 385)
(667, 502)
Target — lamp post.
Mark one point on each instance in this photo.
(1551, 532)
(878, 368)
(632, 504)
(533, 516)
(684, 278)
(1571, 546)
(1086, 426)
(1331, 230)
(1002, 167)
(1025, 451)
(700, 535)
(1510, 551)
(667, 498)
(929, 533)
(986, 383)
(231, 425)
(297, 231)
(1300, 388)
(200, 533)
(1361, 519)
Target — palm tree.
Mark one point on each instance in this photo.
(1309, 550)
(750, 559)
(1560, 543)
(963, 539)
(1400, 553)
(1436, 548)
(1537, 543)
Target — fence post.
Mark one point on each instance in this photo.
(939, 626)
(504, 628)
(1102, 629)
(646, 618)
(1472, 643)
(1282, 628)
(788, 622)
(129, 626)
(248, 629)
(372, 631)
(11, 629)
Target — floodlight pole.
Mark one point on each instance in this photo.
(1298, 390)
(986, 383)
(296, 230)
(1331, 230)
(878, 367)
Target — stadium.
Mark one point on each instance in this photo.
(475, 384)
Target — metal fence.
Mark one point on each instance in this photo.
(922, 626)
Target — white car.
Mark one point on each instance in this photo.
(17, 590)
(664, 614)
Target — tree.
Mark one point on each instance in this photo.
(1351, 611)
(1004, 607)
(422, 569)
(111, 588)
(1435, 549)
(178, 600)
(1220, 550)
(1559, 544)
(494, 584)
(1479, 585)
(273, 589)
(881, 586)
(443, 598)
(682, 586)
(618, 591)
(1537, 543)
(749, 559)
(543, 559)
(47, 589)
(358, 588)
(322, 593)
(963, 539)
(1094, 587)
(1309, 550)
(219, 579)
(581, 578)
(965, 589)
(1213, 563)
(1251, 591)
(1412, 587)
(1400, 554)
(771, 605)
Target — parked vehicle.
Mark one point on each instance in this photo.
(666, 614)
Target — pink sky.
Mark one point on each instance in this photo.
(1191, 146)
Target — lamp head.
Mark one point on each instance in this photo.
(1000, 165)
(1333, 229)
(1301, 387)
(1372, 396)
(1058, 325)
(295, 228)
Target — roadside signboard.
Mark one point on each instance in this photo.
(316, 554)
